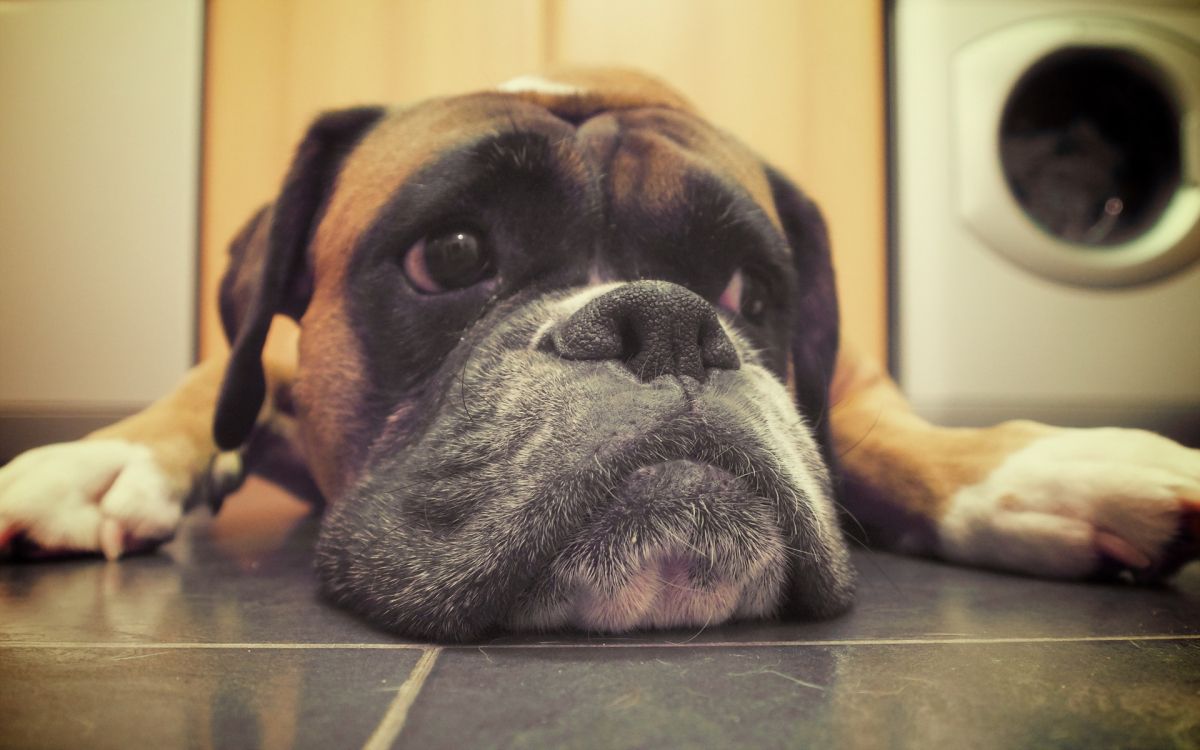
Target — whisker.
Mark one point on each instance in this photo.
(864, 436)
(862, 529)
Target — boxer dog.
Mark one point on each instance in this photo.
(569, 357)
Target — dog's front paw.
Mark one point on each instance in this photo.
(1079, 503)
(108, 496)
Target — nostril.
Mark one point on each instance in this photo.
(543, 340)
(592, 334)
(716, 349)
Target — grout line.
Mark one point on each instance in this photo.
(393, 721)
(599, 644)
(853, 642)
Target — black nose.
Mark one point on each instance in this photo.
(653, 327)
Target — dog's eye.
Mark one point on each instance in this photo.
(746, 295)
(754, 299)
(450, 260)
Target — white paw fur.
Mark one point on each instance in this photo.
(108, 496)
(1065, 502)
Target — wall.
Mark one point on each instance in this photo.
(799, 80)
(99, 147)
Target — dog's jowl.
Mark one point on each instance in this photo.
(567, 359)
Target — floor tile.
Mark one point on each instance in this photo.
(1108, 694)
(196, 697)
(220, 639)
(243, 577)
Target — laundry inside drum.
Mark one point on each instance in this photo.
(1090, 145)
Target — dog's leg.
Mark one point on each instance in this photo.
(122, 488)
(1020, 496)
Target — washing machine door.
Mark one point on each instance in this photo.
(1078, 144)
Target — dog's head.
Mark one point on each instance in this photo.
(564, 360)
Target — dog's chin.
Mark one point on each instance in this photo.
(683, 544)
(680, 543)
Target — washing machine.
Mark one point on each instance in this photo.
(1045, 205)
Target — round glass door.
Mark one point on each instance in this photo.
(1089, 145)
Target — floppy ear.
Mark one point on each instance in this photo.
(268, 270)
(814, 341)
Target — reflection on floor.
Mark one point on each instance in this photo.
(219, 641)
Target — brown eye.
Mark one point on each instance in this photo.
(451, 260)
(754, 299)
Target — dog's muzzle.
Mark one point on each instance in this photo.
(604, 460)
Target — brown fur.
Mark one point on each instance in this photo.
(178, 427)
(330, 361)
(898, 464)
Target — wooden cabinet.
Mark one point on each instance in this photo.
(801, 81)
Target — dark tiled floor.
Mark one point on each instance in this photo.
(220, 641)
